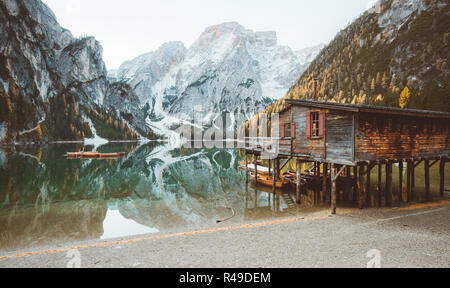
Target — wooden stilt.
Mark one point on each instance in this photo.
(408, 181)
(380, 180)
(333, 191)
(427, 180)
(355, 184)
(389, 184)
(274, 187)
(413, 181)
(442, 177)
(246, 167)
(400, 182)
(370, 199)
(299, 180)
(362, 187)
(270, 167)
(324, 182)
(256, 170)
(347, 185)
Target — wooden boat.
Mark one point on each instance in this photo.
(94, 155)
(268, 181)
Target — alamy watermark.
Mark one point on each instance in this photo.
(375, 258)
(75, 259)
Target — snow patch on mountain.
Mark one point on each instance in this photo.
(95, 141)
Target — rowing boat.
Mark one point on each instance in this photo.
(268, 181)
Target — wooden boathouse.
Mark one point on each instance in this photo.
(352, 140)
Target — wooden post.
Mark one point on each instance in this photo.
(427, 179)
(299, 181)
(333, 191)
(274, 188)
(442, 174)
(400, 181)
(347, 184)
(408, 180)
(380, 180)
(389, 184)
(369, 197)
(256, 170)
(324, 182)
(246, 167)
(362, 187)
(413, 181)
(355, 184)
(270, 167)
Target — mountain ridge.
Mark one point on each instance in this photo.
(227, 69)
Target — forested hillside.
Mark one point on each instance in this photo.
(395, 55)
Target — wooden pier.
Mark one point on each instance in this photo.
(355, 140)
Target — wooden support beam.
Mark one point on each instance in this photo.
(347, 185)
(339, 173)
(442, 178)
(324, 182)
(408, 180)
(333, 191)
(355, 184)
(413, 181)
(246, 168)
(427, 180)
(362, 187)
(400, 182)
(389, 184)
(274, 187)
(370, 199)
(434, 162)
(418, 163)
(270, 167)
(299, 180)
(380, 187)
(256, 170)
(285, 163)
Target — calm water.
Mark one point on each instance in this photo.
(46, 199)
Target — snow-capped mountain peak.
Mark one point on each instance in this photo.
(227, 69)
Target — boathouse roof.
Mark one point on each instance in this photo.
(359, 108)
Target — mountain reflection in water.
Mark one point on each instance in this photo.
(47, 199)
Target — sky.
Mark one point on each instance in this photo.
(129, 28)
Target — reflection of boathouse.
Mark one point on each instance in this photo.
(349, 141)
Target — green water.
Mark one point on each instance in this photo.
(46, 199)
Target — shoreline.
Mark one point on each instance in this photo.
(371, 229)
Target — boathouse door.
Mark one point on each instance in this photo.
(339, 137)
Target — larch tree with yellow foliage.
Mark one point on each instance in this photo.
(404, 98)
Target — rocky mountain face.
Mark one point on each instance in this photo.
(228, 69)
(52, 85)
(396, 45)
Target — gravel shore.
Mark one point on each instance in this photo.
(418, 236)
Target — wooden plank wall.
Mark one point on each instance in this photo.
(339, 137)
(302, 145)
(380, 137)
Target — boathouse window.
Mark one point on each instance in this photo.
(288, 130)
(315, 125)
